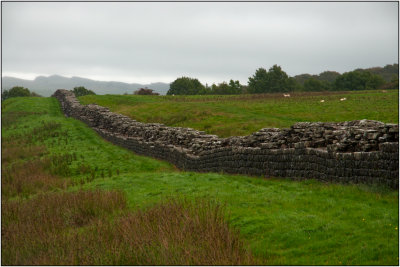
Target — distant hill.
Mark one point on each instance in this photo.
(329, 76)
(46, 86)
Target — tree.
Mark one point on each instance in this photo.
(393, 84)
(259, 82)
(328, 76)
(4, 95)
(222, 89)
(235, 87)
(205, 91)
(374, 81)
(301, 78)
(81, 91)
(358, 80)
(395, 81)
(185, 86)
(293, 85)
(275, 80)
(315, 85)
(16, 91)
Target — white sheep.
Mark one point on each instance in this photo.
(286, 95)
(343, 99)
(322, 101)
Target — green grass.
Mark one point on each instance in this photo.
(283, 222)
(244, 114)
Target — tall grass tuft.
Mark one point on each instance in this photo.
(11, 153)
(175, 232)
(44, 230)
(29, 170)
(27, 178)
(77, 229)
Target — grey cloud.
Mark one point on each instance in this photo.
(211, 41)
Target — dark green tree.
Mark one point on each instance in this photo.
(293, 85)
(185, 86)
(205, 91)
(301, 78)
(315, 85)
(273, 81)
(358, 80)
(328, 76)
(235, 87)
(349, 81)
(16, 91)
(259, 82)
(395, 81)
(222, 89)
(4, 95)
(278, 80)
(81, 91)
(374, 81)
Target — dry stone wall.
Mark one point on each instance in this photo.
(361, 151)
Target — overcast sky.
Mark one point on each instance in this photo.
(214, 42)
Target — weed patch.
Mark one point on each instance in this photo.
(35, 229)
(29, 177)
(75, 229)
(13, 117)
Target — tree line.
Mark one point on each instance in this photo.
(19, 91)
(275, 80)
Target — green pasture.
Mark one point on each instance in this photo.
(282, 222)
(244, 114)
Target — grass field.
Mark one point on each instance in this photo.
(244, 114)
(279, 222)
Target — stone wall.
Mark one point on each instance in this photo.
(355, 151)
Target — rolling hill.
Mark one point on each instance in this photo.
(46, 86)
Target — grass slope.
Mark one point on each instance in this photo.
(282, 222)
(244, 114)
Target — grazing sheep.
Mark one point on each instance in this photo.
(286, 95)
(343, 99)
(322, 101)
(384, 91)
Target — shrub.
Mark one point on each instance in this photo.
(81, 91)
(17, 91)
(145, 91)
(185, 86)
